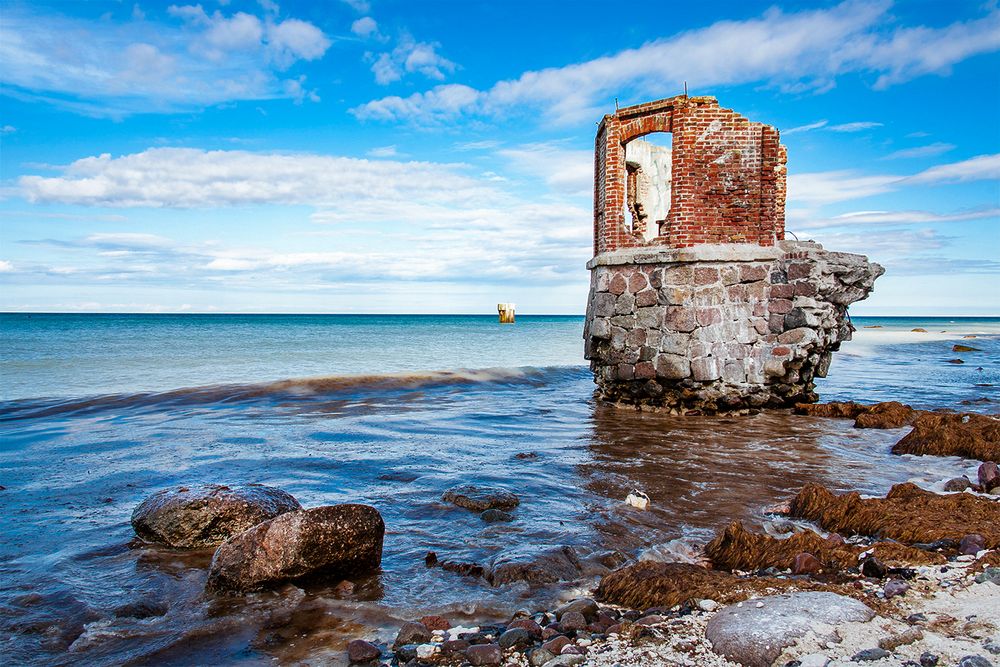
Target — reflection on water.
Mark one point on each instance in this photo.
(75, 586)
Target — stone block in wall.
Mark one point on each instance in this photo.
(705, 369)
(672, 367)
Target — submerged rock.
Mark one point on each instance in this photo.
(545, 565)
(335, 540)
(756, 635)
(480, 498)
(207, 515)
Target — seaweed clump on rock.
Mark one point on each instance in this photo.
(971, 435)
(649, 584)
(890, 414)
(736, 548)
(907, 514)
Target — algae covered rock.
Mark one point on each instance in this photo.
(536, 566)
(971, 435)
(334, 541)
(207, 515)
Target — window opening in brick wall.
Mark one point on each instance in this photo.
(647, 184)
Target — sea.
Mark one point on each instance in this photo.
(97, 412)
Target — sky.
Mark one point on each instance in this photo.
(389, 156)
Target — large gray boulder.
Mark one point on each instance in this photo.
(754, 636)
(335, 541)
(206, 515)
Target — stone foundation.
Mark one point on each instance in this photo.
(719, 327)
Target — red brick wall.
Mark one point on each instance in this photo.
(728, 175)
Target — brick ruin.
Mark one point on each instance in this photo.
(697, 303)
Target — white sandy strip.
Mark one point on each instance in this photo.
(865, 341)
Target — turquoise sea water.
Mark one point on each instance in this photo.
(99, 411)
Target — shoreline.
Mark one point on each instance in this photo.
(929, 614)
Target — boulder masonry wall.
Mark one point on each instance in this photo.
(714, 311)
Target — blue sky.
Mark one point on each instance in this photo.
(393, 156)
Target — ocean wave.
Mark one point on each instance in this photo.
(290, 390)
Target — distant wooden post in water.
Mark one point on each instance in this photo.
(506, 313)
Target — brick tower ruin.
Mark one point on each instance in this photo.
(697, 303)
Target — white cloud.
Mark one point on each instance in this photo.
(819, 188)
(115, 69)
(8, 129)
(384, 151)
(929, 150)
(408, 57)
(828, 187)
(805, 128)
(360, 6)
(806, 50)
(365, 27)
(187, 177)
(854, 127)
(5, 266)
(563, 170)
(982, 167)
(894, 218)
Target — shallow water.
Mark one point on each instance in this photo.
(75, 462)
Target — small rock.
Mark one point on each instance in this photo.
(974, 661)
(360, 651)
(708, 605)
(480, 498)
(585, 606)
(565, 661)
(971, 544)
(484, 654)
(433, 623)
(526, 624)
(806, 563)
(572, 621)
(405, 653)
(142, 609)
(496, 516)
(345, 587)
(539, 656)
(958, 484)
(928, 659)
(990, 574)
(895, 587)
(813, 660)
(651, 619)
(516, 638)
(904, 638)
(555, 645)
(412, 633)
(426, 651)
(916, 618)
(453, 646)
(989, 476)
(874, 568)
(955, 361)
(964, 348)
(870, 655)
(573, 649)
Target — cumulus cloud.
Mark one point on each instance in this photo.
(365, 27)
(802, 51)
(197, 59)
(408, 57)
